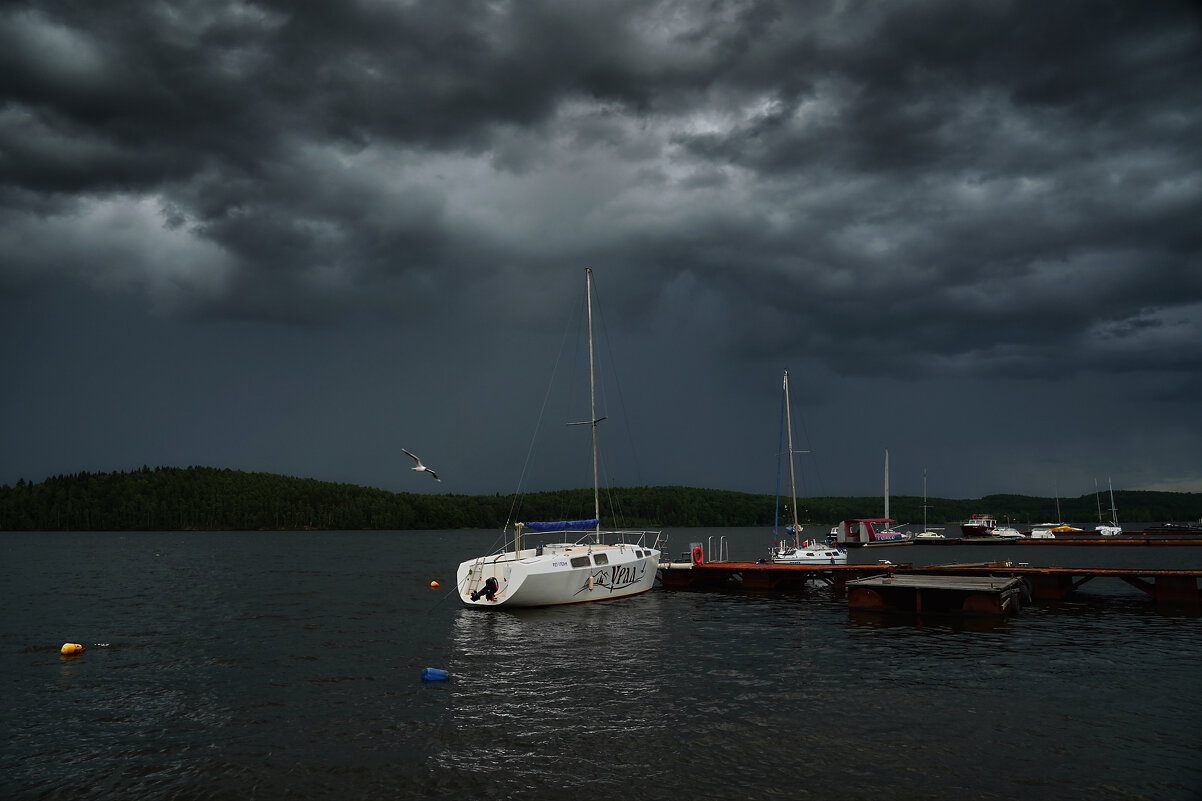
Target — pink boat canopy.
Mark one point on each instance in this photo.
(864, 530)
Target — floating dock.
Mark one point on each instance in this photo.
(1167, 585)
(969, 595)
(761, 575)
(1067, 539)
(1171, 586)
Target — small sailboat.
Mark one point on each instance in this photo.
(872, 531)
(581, 562)
(1048, 531)
(890, 533)
(798, 551)
(926, 533)
(1111, 529)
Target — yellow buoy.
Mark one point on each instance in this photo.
(71, 648)
(434, 584)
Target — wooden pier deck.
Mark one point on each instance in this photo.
(1168, 585)
(761, 575)
(1173, 586)
(1147, 540)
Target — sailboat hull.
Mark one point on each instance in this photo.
(557, 574)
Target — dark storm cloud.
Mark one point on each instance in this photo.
(948, 190)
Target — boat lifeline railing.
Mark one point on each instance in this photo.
(555, 539)
(661, 543)
(559, 537)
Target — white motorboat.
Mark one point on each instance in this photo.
(808, 552)
(800, 551)
(979, 526)
(581, 562)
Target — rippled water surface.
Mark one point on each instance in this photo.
(270, 665)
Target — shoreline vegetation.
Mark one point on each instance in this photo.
(221, 499)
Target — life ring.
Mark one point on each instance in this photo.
(697, 555)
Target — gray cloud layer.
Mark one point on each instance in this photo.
(944, 191)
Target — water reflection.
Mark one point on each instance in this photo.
(953, 622)
(534, 690)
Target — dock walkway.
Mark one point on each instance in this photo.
(1168, 585)
(760, 575)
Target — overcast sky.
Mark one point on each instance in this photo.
(298, 237)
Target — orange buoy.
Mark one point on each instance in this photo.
(434, 584)
(71, 649)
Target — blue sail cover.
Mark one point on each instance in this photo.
(563, 525)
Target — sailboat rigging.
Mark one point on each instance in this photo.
(799, 551)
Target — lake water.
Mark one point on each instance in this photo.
(287, 665)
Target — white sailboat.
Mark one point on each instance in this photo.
(1111, 529)
(597, 565)
(799, 551)
(890, 533)
(926, 533)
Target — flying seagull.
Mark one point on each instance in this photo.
(421, 468)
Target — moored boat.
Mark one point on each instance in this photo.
(799, 551)
(870, 531)
(596, 565)
(978, 526)
(864, 531)
(1050, 531)
(927, 532)
(1111, 529)
(561, 572)
(1176, 529)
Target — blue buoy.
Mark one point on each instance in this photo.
(435, 674)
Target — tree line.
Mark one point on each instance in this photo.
(205, 498)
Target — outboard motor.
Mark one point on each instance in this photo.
(489, 590)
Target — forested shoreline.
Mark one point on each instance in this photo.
(206, 498)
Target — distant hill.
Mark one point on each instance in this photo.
(206, 498)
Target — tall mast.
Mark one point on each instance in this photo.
(588, 272)
(924, 499)
(886, 483)
(792, 483)
(1114, 513)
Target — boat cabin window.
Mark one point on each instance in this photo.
(579, 561)
(601, 559)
